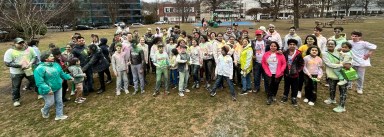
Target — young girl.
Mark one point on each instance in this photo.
(196, 62)
(120, 62)
(313, 72)
(171, 45)
(78, 76)
(183, 60)
(274, 65)
(207, 58)
(345, 61)
(310, 40)
(161, 61)
(224, 71)
(173, 67)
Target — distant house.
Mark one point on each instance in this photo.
(172, 12)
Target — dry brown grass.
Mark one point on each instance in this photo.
(197, 114)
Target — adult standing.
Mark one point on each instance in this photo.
(49, 77)
(104, 49)
(274, 35)
(81, 52)
(332, 61)
(259, 47)
(246, 66)
(19, 59)
(291, 35)
(98, 64)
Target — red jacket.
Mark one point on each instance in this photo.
(281, 64)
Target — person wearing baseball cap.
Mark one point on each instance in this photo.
(259, 46)
(236, 30)
(20, 60)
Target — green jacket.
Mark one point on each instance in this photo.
(49, 76)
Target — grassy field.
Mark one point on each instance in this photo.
(197, 114)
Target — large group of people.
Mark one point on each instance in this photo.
(207, 56)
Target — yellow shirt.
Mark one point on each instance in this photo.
(303, 49)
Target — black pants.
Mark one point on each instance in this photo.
(342, 88)
(130, 76)
(291, 84)
(64, 89)
(237, 75)
(310, 88)
(108, 73)
(273, 85)
(208, 66)
(301, 81)
(88, 82)
(16, 84)
(101, 79)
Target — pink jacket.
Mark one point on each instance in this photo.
(281, 64)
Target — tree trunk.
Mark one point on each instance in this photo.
(322, 8)
(276, 9)
(296, 13)
(366, 3)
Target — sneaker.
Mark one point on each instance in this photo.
(27, 88)
(284, 99)
(61, 117)
(339, 109)
(72, 93)
(174, 87)
(181, 94)
(359, 91)
(306, 100)
(311, 103)
(342, 82)
(208, 85)
(108, 81)
(118, 93)
(16, 103)
(244, 93)
(329, 101)
(193, 86)
(213, 94)
(234, 99)
(126, 91)
(197, 85)
(83, 98)
(155, 93)
(349, 86)
(167, 92)
(326, 85)
(274, 99)
(134, 93)
(79, 101)
(299, 94)
(294, 102)
(269, 101)
(143, 91)
(44, 115)
(187, 90)
(39, 96)
(255, 91)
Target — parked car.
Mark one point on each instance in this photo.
(160, 23)
(137, 25)
(103, 27)
(83, 27)
(120, 24)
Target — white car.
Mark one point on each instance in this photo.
(160, 23)
(137, 25)
(120, 24)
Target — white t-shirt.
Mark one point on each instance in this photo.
(19, 57)
(259, 50)
(272, 63)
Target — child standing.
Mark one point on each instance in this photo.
(173, 67)
(161, 61)
(224, 71)
(120, 62)
(345, 61)
(196, 62)
(78, 76)
(183, 60)
(313, 72)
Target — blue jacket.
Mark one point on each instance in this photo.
(49, 76)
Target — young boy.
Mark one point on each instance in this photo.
(224, 71)
(345, 60)
(173, 67)
(183, 61)
(161, 61)
(361, 52)
(120, 62)
(78, 76)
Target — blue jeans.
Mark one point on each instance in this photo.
(258, 72)
(195, 73)
(174, 77)
(246, 81)
(219, 81)
(55, 98)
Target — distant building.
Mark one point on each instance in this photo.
(96, 11)
(170, 12)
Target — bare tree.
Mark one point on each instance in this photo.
(60, 20)
(29, 18)
(380, 3)
(112, 6)
(214, 4)
(273, 6)
(296, 13)
(345, 4)
(184, 8)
